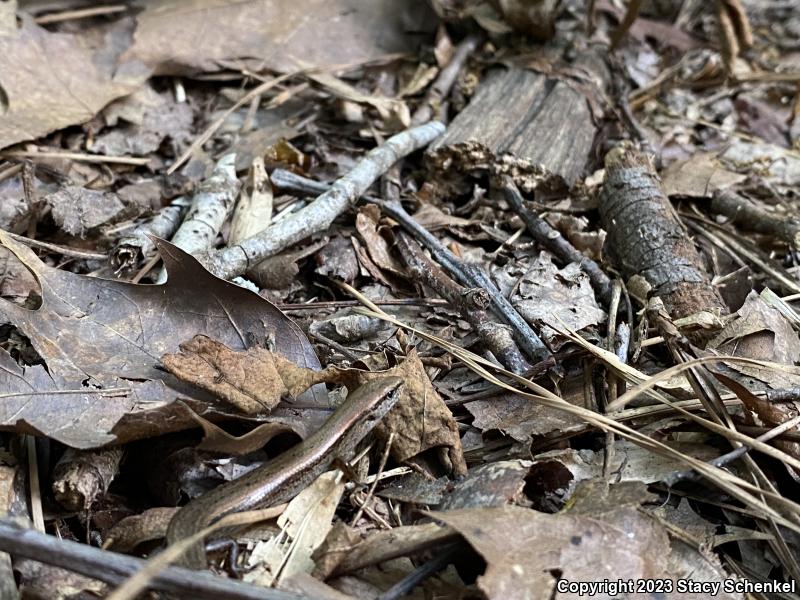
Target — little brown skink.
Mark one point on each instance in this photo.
(281, 479)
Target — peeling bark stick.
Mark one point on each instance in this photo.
(318, 216)
(138, 245)
(113, 568)
(468, 275)
(471, 304)
(211, 205)
(646, 238)
(553, 241)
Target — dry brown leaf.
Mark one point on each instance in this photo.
(367, 224)
(268, 34)
(249, 380)
(698, 177)
(101, 341)
(66, 78)
(420, 419)
(132, 531)
(604, 535)
(761, 332)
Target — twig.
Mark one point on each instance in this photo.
(553, 241)
(211, 129)
(444, 82)
(34, 484)
(727, 458)
(62, 250)
(743, 212)
(470, 303)
(113, 568)
(91, 158)
(404, 587)
(81, 13)
(630, 16)
(318, 216)
(334, 304)
(138, 244)
(212, 203)
(371, 491)
(467, 275)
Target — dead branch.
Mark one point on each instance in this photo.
(646, 238)
(743, 212)
(496, 338)
(114, 568)
(469, 275)
(318, 216)
(138, 245)
(553, 241)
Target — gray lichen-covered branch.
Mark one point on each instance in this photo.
(318, 216)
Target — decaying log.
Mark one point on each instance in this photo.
(537, 128)
(646, 238)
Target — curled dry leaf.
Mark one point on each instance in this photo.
(257, 379)
(250, 380)
(101, 341)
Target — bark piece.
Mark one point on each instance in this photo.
(81, 477)
(646, 238)
(516, 124)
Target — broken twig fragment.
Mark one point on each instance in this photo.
(318, 216)
(646, 238)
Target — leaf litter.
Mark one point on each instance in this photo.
(585, 275)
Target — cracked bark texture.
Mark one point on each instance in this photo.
(646, 238)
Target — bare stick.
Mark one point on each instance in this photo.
(138, 245)
(553, 241)
(444, 82)
(318, 216)
(90, 158)
(743, 212)
(113, 568)
(495, 337)
(211, 205)
(211, 129)
(467, 275)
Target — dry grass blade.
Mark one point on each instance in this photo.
(211, 129)
(137, 583)
(747, 493)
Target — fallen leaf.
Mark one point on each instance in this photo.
(555, 298)
(66, 79)
(96, 334)
(150, 119)
(77, 210)
(523, 548)
(698, 177)
(264, 34)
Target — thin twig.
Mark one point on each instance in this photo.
(318, 216)
(444, 82)
(404, 587)
(211, 129)
(82, 13)
(90, 158)
(467, 275)
(113, 568)
(553, 241)
(62, 250)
